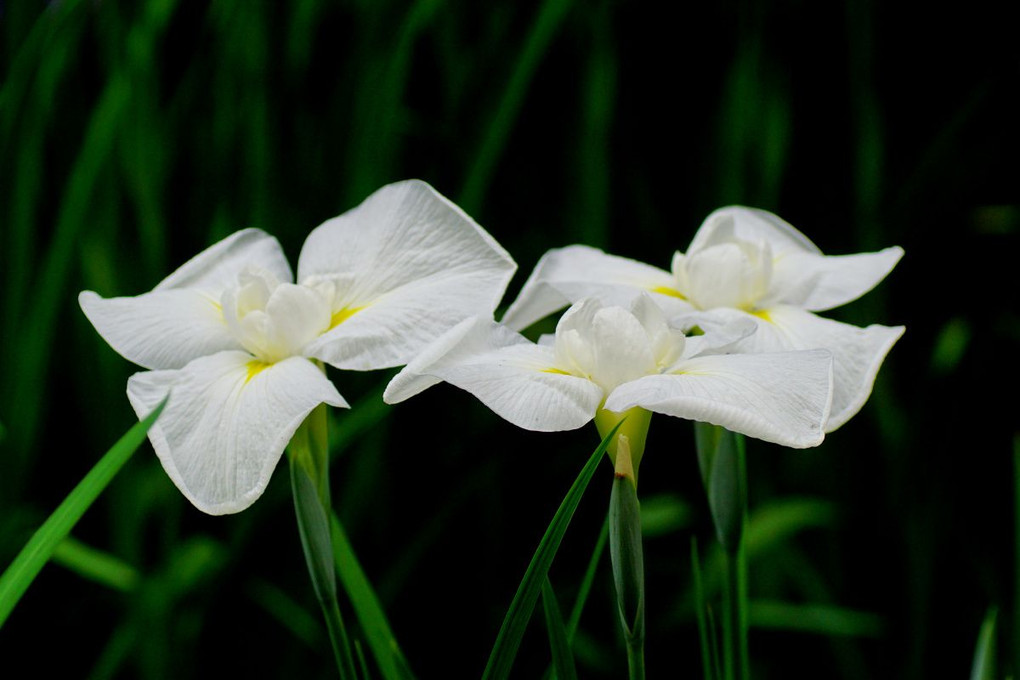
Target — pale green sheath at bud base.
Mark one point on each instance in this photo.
(634, 428)
(627, 555)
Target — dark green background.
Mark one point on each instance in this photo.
(135, 134)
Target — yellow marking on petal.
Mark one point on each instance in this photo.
(666, 290)
(554, 371)
(254, 368)
(343, 315)
(762, 314)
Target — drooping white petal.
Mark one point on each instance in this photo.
(411, 264)
(181, 319)
(515, 378)
(227, 422)
(218, 266)
(164, 329)
(782, 398)
(857, 352)
(817, 283)
(752, 225)
(566, 275)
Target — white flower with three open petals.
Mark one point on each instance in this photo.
(235, 342)
(614, 359)
(742, 263)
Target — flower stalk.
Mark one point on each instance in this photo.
(723, 474)
(308, 454)
(627, 557)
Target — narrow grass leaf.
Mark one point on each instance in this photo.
(984, 654)
(313, 526)
(719, 455)
(510, 633)
(23, 570)
(708, 668)
(39, 328)
(291, 615)
(368, 609)
(563, 658)
(587, 581)
(814, 618)
(96, 565)
(545, 25)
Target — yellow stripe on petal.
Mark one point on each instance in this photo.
(254, 368)
(342, 315)
(555, 371)
(666, 290)
(762, 314)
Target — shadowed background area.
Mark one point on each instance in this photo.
(135, 134)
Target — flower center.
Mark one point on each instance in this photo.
(271, 319)
(733, 273)
(613, 345)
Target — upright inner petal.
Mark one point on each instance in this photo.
(736, 274)
(274, 320)
(612, 345)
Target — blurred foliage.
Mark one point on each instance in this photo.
(134, 134)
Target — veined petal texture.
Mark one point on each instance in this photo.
(506, 372)
(779, 397)
(857, 353)
(227, 422)
(566, 275)
(819, 282)
(163, 329)
(409, 265)
(217, 267)
(181, 318)
(738, 223)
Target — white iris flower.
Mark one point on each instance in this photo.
(235, 342)
(742, 263)
(606, 360)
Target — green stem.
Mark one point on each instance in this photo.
(636, 659)
(627, 558)
(310, 484)
(735, 643)
(723, 471)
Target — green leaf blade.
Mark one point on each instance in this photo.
(26, 566)
(510, 633)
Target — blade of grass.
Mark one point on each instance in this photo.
(313, 526)
(23, 570)
(563, 658)
(984, 654)
(814, 618)
(95, 565)
(510, 633)
(28, 375)
(367, 607)
(291, 615)
(708, 668)
(587, 581)
(544, 27)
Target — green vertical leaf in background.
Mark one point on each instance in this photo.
(496, 137)
(370, 612)
(984, 664)
(563, 658)
(516, 621)
(719, 453)
(19, 575)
